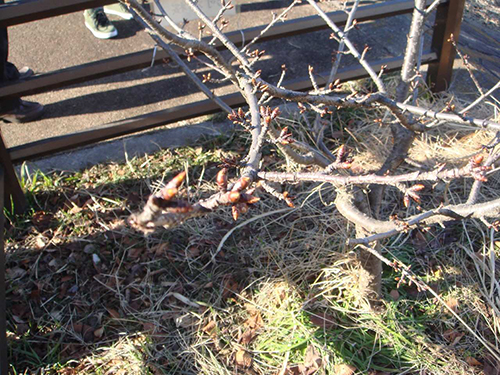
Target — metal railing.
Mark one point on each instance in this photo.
(440, 59)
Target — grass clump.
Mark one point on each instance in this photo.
(281, 294)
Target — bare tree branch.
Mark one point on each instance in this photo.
(412, 50)
(189, 73)
(182, 33)
(471, 170)
(275, 20)
(345, 204)
(347, 28)
(197, 45)
(352, 49)
(215, 30)
(373, 100)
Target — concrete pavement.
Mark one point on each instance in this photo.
(64, 41)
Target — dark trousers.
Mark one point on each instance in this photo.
(8, 71)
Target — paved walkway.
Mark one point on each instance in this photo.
(64, 41)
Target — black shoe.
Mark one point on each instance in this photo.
(25, 72)
(24, 112)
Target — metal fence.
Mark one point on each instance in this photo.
(440, 59)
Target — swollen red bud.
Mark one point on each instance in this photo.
(222, 179)
(406, 201)
(236, 213)
(417, 187)
(249, 199)
(241, 184)
(288, 200)
(276, 112)
(176, 181)
(234, 196)
(168, 193)
(241, 113)
(478, 159)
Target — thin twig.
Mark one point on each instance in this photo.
(174, 56)
(187, 44)
(280, 17)
(352, 49)
(432, 7)
(215, 30)
(347, 28)
(182, 33)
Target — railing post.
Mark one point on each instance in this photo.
(448, 22)
(12, 192)
(4, 366)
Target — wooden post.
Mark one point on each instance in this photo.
(4, 366)
(448, 22)
(14, 199)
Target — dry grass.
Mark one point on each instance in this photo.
(283, 295)
(277, 292)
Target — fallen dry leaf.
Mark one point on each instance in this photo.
(209, 328)
(247, 336)
(75, 209)
(135, 252)
(99, 332)
(312, 360)
(18, 319)
(419, 240)
(230, 286)
(86, 331)
(243, 358)
(491, 366)
(452, 303)
(15, 273)
(113, 313)
(453, 336)
(160, 249)
(41, 220)
(148, 327)
(323, 320)
(254, 321)
(344, 369)
(471, 361)
(41, 242)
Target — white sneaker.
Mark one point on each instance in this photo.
(119, 10)
(97, 22)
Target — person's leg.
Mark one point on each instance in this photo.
(7, 70)
(15, 109)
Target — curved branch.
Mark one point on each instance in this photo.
(345, 204)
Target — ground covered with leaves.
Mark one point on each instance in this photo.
(276, 292)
